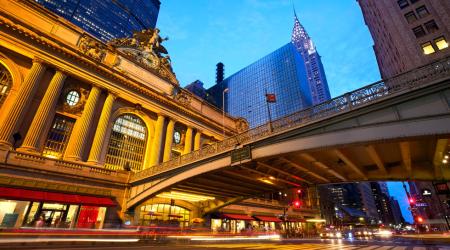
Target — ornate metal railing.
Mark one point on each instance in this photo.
(369, 94)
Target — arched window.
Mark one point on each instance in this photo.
(126, 148)
(5, 83)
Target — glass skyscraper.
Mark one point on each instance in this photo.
(282, 73)
(294, 73)
(107, 19)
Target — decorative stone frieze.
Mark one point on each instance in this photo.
(92, 48)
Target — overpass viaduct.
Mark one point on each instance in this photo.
(397, 129)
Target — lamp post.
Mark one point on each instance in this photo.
(223, 111)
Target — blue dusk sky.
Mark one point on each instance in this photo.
(239, 32)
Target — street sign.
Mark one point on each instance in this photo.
(240, 154)
(426, 192)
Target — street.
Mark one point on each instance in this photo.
(297, 244)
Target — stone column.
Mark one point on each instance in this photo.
(79, 135)
(22, 102)
(168, 142)
(100, 133)
(157, 140)
(188, 141)
(44, 113)
(197, 140)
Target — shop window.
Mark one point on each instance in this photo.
(419, 31)
(58, 136)
(127, 143)
(164, 213)
(422, 11)
(441, 43)
(431, 26)
(5, 83)
(410, 17)
(427, 48)
(57, 215)
(402, 4)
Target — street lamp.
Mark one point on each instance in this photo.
(223, 111)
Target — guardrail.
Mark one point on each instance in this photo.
(373, 93)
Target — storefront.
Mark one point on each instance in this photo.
(163, 214)
(294, 227)
(31, 208)
(232, 223)
(267, 223)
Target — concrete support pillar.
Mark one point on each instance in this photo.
(80, 131)
(24, 97)
(100, 133)
(197, 140)
(188, 141)
(157, 140)
(168, 142)
(44, 113)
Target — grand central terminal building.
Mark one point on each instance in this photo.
(78, 117)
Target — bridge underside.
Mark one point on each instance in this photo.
(415, 159)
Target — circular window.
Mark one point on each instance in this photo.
(72, 98)
(177, 137)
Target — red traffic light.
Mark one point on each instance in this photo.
(419, 219)
(411, 201)
(299, 191)
(297, 203)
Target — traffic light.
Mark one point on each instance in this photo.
(297, 204)
(412, 201)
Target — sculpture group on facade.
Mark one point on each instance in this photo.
(146, 47)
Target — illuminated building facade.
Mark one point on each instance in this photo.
(407, 33)
(78, 117)
(107, 19)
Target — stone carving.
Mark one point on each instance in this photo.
(241, 125)
(145, 48)
(92, 48)
(183, 98)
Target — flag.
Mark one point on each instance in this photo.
(271, 98)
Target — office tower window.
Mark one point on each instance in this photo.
(428, 48)
(403, 4)
(431, 26)
(58, 136)
(126, 148)
(410, 17)
(419, 31)
(72, 98)
(422, 11)
(5, 83)
(441, 43)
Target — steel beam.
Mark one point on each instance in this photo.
(349, 163)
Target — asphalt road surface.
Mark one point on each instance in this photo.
(400, 244)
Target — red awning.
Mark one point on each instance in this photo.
(237, 217)
(43, 196)
(268, 218)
